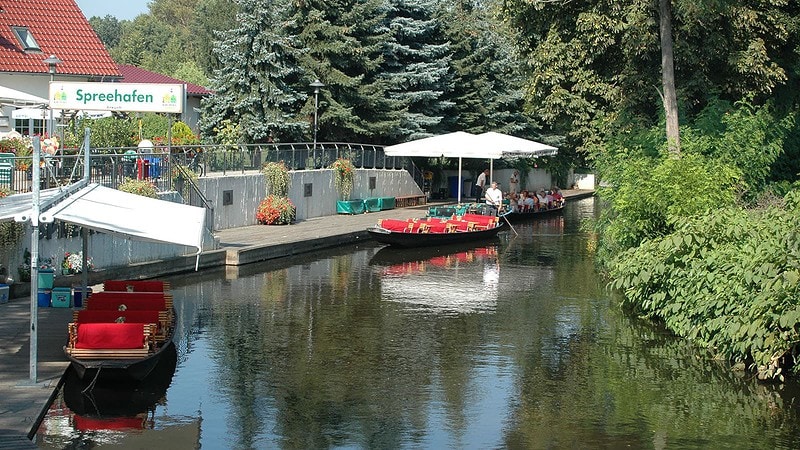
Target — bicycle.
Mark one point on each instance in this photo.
(195, 163)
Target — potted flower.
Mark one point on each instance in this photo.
(275, 210)
(73, 263)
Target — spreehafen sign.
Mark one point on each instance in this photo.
(145, 97)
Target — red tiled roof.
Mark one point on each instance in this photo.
(133, 74)
(60, 29)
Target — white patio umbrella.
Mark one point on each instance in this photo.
(504, 145)
(458, 144)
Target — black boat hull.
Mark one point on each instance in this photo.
(531, 215)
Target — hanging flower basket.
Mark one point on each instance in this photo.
(275, 210)
(343, 175)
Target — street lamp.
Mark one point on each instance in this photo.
(316, 85)
(51, 62)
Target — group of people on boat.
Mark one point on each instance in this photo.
(524, 201)
(535, 201)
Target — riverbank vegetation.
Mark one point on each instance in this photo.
(698, 231)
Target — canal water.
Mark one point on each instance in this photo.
(511, 343)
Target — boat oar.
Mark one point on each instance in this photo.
(505, 216)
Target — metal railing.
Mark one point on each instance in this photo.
(112, 166)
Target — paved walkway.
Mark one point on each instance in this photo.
(22, 402)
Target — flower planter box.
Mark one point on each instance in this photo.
(350, 207)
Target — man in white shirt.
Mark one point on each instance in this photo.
(480, 184)
(494, 196)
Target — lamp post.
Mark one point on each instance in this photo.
(316, 85)
(51, 62)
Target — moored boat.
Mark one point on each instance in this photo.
(123, 331)
(434, 231)
(520, 215)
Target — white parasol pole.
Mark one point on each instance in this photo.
(34, 336)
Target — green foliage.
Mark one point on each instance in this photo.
(646, 196)
(10, 232)
(138, 187)
(277, 178)
(107, 29)
(111, 132)
(153, 125)
(343, 176)
(727, 280)
(594, 62)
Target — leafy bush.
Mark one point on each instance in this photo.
(647, 195)
(138, 187)
(275, 210)
(727, 280)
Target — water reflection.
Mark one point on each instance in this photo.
(446, 280)
(514, 344)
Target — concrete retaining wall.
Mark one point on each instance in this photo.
(247, 190)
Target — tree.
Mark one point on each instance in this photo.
(417, 68)
(668, 77)
(256, 87)
(594, 66)
(344, 41)
(107, 29)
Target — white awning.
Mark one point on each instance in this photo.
(19, 98)
(132, 216)
(19, 205)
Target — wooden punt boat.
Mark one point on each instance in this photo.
(432, 231)
(121, 334)
(519, 216)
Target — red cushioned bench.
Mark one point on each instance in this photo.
(111, 340)
(162, 319)
(136, 285)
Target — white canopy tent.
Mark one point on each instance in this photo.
(460, 144)
(18, 98)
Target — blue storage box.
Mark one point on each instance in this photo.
(61, 297)
(46, 278)
(77, 296)
(44, 298)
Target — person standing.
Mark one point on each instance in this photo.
(513, 183)
(480, 184)
(494, 196)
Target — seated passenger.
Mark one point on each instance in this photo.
(542, 199)
(530, 202)
(548, 198)
(557, 196)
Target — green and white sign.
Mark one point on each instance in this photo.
(117, 96)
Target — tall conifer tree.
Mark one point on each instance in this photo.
(255, 87)
(344, 41)
(417, 67)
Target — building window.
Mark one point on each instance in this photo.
(29, 127)
(26, 39)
